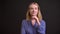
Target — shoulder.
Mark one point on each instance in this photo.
(43, 22)
(24, 21)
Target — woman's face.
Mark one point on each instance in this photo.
(33, 8)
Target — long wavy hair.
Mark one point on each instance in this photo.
(39, 15)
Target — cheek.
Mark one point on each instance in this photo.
(36, 11)
(31, 11)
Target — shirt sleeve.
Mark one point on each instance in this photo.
(22, 27)
(41, 28)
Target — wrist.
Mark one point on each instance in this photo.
(38, 23)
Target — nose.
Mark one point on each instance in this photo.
(33, 10)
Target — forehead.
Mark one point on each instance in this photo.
(33, 6)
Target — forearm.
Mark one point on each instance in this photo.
(40, 28)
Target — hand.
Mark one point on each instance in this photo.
(36, 18)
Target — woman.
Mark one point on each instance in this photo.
(33, 24)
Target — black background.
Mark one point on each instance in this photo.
(13, 12)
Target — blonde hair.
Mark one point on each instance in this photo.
(28, 17)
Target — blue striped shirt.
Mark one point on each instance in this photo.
(27, 27)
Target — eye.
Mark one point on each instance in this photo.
(31, 8)
(36, 8)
